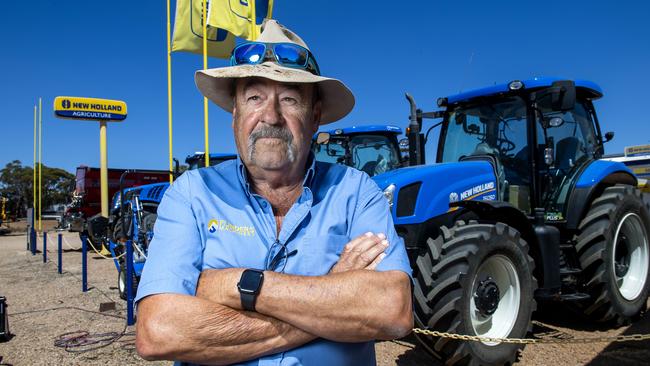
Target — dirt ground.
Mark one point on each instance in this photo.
(43, 305)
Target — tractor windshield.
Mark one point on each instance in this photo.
(496, 127)
(373, 154)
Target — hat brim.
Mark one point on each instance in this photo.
(217, 85)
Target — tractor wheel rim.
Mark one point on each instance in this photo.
(630, 258)
(499, 324)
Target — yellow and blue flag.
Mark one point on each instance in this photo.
(242, 18)
(188, 31)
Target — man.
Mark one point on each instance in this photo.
(273, 259)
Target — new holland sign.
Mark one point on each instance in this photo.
(90, 108)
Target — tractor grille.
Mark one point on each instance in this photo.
(406, 199)
(155, 193)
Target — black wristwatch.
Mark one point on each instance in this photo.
(249, 287)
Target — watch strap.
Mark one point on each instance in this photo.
(248, 301)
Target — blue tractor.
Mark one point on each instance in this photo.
(518, 210)
(373, 149)
(133, 218)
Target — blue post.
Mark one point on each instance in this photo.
(33, 248)
(129, 283)
(31, 230)
(44, 246)
(60, 253)
(84, 264)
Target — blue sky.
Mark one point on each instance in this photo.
(380, 49)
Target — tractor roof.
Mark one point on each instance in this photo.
(592, 89)
(364, 129)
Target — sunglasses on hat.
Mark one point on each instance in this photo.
(284, 54)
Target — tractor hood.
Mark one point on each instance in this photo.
(422, 192)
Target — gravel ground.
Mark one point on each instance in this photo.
(44, 305)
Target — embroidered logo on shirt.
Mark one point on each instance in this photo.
(223, 225)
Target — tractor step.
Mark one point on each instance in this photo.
(576, 296)
(566, 246)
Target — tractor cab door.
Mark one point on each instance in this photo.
(495, 130)
(567, 142)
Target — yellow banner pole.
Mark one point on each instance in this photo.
(205, 100)
(34, 183)
(40, 160)
(270, 9)
(103, 168)
(254, 18)
(169, 93)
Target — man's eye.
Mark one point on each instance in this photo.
(289, 100)
(254, 98)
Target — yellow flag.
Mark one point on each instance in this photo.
(188, 32)
(238, 16)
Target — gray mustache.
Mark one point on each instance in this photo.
(271, 132)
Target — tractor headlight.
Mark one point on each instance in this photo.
(516, 85)
(389, 193)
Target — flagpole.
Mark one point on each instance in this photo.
(40, 160)
(270, 11)
(205, 66)
(254, 17)
(34, 183)
(169, 93)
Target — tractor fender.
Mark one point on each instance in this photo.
(597, 176)
(423, 192)
(499, 211)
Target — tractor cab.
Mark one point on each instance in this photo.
(519, 208)
(372, 149)
(539, 135)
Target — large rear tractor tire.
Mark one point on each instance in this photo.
(613, 249)
(475, 279)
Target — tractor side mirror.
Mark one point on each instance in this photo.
(322, 138)
(609, 136)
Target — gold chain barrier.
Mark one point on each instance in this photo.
(566, 338)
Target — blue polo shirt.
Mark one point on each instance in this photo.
(210, 219)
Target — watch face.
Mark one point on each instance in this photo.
(251, 281)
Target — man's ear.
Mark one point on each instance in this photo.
(316, 114)
(234, 115)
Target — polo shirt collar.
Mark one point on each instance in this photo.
(242, 174)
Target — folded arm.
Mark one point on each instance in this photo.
(347, 305)
(192, 329)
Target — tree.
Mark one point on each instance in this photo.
(16, 183)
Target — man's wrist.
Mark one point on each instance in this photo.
(233, 298)
(249, 287)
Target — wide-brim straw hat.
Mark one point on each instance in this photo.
(217, 84)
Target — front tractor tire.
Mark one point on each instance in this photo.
(475, 279)
(613, 251)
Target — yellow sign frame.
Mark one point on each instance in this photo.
(90, 108)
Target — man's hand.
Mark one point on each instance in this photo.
(362, 252)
